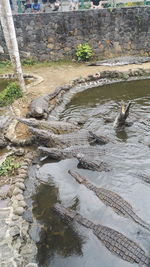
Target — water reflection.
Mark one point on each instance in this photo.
(57, 236)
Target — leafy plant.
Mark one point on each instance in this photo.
(8, 166)
(10, 93)
(83, 52)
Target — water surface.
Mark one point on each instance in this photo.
(61, 243)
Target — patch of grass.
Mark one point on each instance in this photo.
(8, 95)
(8, 166)
(5, 66)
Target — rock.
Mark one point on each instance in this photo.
(19, 152)
(20, 185)
(3, 142)
(19, 180)
(22, 204)
(17, 191)
(31, 265)
(15, 217)
(10, 191)
(19, 197)
(28, 216)
(19, 211)
(14, 231)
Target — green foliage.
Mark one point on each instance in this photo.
(5, 64)
(28, 62)
(83, 52)
(8, 95)
(8, 166)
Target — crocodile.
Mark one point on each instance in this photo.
(144, 177)
(72, 151)
(94, 164)
(109, 198)
(57, 127)
(120, 61)
(121, 118)
(49, 139)
(39, 107)
(114, 241)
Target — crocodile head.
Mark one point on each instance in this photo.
(61, 210)
(53, 153)
(80, 179)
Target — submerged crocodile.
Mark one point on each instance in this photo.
(121, 118)
(118, 204)
(49, 139)
(113, 240)
(57, 127)
(144, 177)
(72, 151)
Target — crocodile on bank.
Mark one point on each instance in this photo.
(38, 107)
(57, 127)
(120, 61)
(111, 199)
(121, 118)
(113, 240)
(72, 151)
(82, 137)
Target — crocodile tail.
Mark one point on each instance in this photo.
(138, 220)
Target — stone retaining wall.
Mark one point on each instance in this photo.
(52, 36)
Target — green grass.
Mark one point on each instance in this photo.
(8, 166)
(9, 94)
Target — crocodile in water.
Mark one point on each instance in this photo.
(121, 118)
(113, 240)
(57, 127)
(119, 205)
(82, 137)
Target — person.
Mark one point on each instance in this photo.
(27, 6)
(96, 4)
(74, 5)
(56, 5)
(35, 6)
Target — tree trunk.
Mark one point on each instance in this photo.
(11, 41)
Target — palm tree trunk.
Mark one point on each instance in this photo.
(11, 41)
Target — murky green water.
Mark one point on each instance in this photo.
(61, 243)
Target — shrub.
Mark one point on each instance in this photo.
(9, 94)
(8, 166)
(83, 52)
